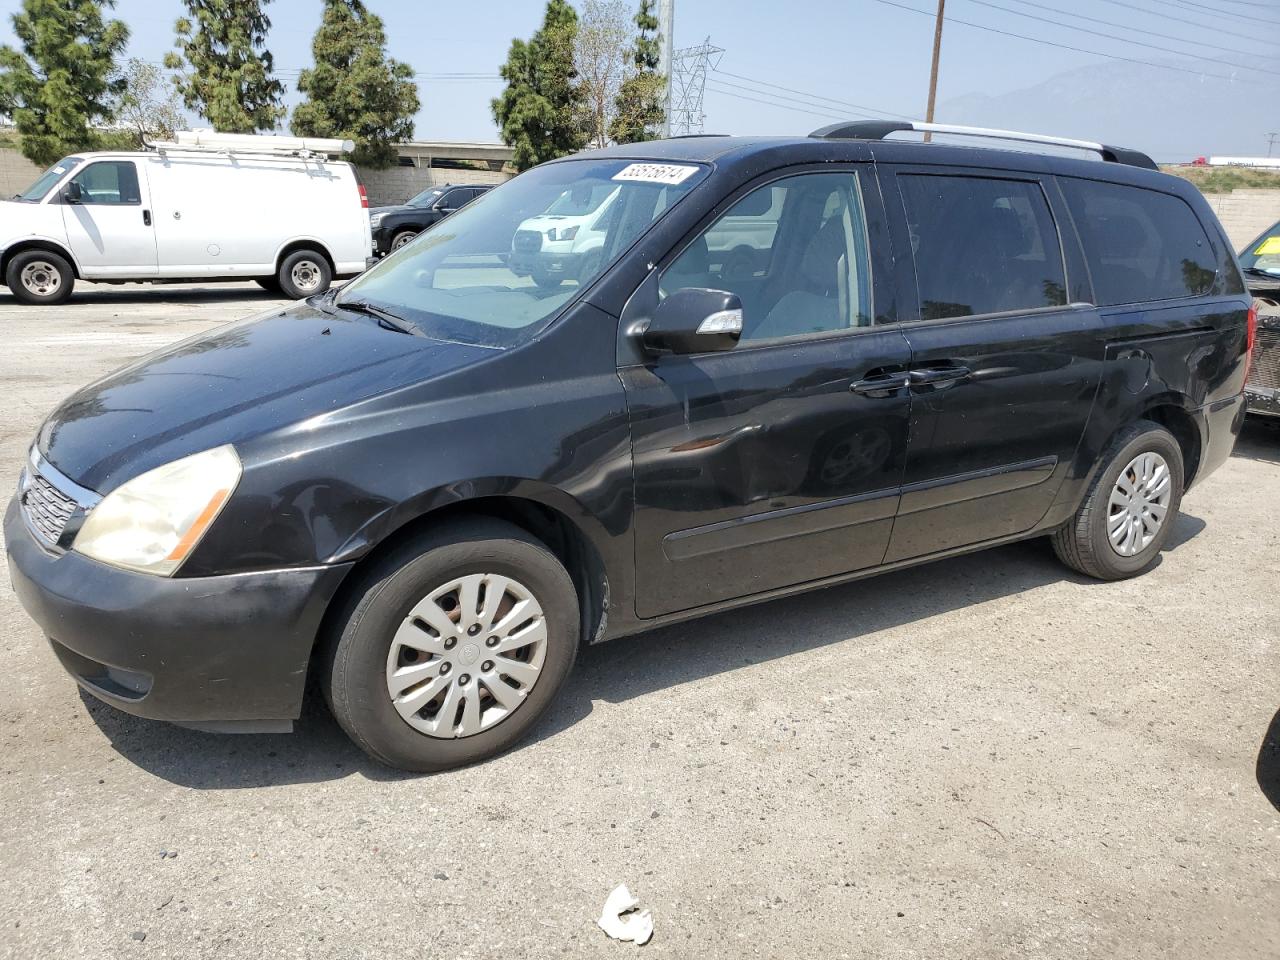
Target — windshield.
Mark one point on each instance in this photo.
(497, 271)
(581, 199)
(1264, 253)
(425, 198)
(44, 184)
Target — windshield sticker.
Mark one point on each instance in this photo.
(672, 173)
(1269, 245)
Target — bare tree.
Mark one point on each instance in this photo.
(600, 52)
(149, 108)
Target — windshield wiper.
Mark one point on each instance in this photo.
(384, 317)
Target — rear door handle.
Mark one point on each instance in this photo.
(146, 217)
(880, 386)
(937, 376)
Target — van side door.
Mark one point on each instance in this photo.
(776, 462)
(1005, 353)
(109, 226)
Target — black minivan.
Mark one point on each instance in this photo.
(797, 362)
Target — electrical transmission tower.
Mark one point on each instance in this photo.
(689, 69)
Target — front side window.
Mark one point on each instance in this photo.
(495, 272)
(795, 253)
(982, 245)
(1140, 245)
(109, 182)
(36, 192)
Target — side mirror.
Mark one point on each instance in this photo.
(72, 193)
(694, 320)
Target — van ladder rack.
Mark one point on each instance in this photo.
(250, 144)
(879, 129)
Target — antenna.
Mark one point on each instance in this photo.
(689, 69)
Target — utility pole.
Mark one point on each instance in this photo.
(1271, 142)
(933, 73)
(666, 34)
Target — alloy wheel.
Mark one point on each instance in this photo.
(41, 278)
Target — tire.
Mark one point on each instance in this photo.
(269, 284)
(39, 277)
(304, 273)
(365, 647)
(401, 238)
(546, 281)
(1085, 543)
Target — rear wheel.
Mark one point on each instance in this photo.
(452, 646)
(39, 277)
(304, 273)
(1130, 508)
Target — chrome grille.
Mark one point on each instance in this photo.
(46, 508)
(1265, 372)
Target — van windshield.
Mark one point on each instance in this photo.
(1263, 255)
(35, 193)
(501, 268)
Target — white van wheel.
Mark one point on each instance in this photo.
(304, 273)
(39, 277)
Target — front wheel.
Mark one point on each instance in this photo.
(1130, 508)
(403, 237)
(304, 273)
(452, 646)
(39, 277)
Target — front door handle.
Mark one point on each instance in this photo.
(146, 217)
(937, 376)
(883, 385)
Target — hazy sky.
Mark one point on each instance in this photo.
(873, 53)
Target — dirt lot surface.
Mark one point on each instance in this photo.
(987, 757)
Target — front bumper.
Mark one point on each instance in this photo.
(203, 650)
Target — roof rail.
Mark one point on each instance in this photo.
(209, 141)
(879, 129)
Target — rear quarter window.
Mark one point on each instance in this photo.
(1140, 245)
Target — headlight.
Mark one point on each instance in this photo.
(376, 219)
(154, 521)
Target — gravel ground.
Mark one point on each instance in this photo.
(985, 757)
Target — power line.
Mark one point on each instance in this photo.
(1194, 23)
(812, 96)
(782, 100)
(1112, 36)
(1228, 13)
(1060, 46)
(1125, 26)
(782, 106)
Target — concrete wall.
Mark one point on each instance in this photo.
(398, 184)
(1246, 213)
(16, 172)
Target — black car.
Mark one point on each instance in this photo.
(393, 227)
(1261, 263)
(797, 362)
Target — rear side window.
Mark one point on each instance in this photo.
(1140, 245)
(982, 245)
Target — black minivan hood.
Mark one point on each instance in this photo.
(232, 384)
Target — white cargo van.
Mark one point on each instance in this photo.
(205, 207)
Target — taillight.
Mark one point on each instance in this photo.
(364, 196)
(1250, 337)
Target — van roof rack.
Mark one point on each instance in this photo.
(209, 141)
(879, 129)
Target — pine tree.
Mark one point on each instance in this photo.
(355, 91)
(539, 112)
(638, 110)
(228, 79)
(60, 83)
